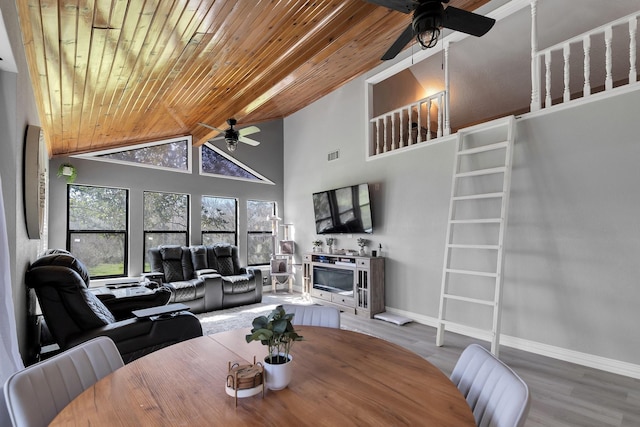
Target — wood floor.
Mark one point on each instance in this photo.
(563, 394)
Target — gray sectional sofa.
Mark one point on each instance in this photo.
(205, 278)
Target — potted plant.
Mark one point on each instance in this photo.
(278, 334)
(317, 245)
(69, 171)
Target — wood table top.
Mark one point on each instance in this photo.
(340, 377)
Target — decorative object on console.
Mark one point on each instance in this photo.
(276, 332)
(317, 245)
(68, 171)
(362, 243)
(330, 242)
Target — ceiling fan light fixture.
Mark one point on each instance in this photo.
(231, 138)
(231, 145)
(427, 22)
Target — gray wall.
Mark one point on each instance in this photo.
(17, 110)
(265, 159)
(573, 238)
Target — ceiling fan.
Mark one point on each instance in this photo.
(232, 136)
(429, 17)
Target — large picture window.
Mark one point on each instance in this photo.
(97, 229)
(219, 219)
(165, 221)
(259, 237)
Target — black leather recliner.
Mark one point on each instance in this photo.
(240, 285)
(74, 314)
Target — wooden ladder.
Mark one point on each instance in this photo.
(470, 298)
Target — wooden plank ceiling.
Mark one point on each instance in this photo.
(112, 73)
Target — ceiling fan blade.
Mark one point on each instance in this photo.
(466, 22)
(404, 6)
(397, 46)
(249, 141)
(249, 130)
(210, 127)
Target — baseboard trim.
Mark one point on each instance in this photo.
(592, 361)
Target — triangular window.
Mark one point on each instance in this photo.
(215, 162)
(172, 154)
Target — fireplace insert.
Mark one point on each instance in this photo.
(332, 279)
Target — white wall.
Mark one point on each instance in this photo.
(573, 238)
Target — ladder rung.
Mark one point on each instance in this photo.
(488, 171)
(464, 246)
(487, 333)
(476, 221)
(471, 272)
(480, 196)
(470, 300)
(488, 147)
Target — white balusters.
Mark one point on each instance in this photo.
(447, 123)
(566, 53)
(547, 73)
(585, 39)
(428, 133)
(608, 35)
(633, 28)
(439, 112)
(586, 48)
(535, 59)
(395, 129)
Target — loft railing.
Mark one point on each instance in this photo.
(541, 61)
(411, 124)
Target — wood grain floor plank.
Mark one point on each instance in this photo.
(563, 393)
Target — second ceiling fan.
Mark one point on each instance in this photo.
(232, 136)
(429, 17)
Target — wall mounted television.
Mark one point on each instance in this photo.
(343, 210)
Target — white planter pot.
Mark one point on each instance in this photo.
(278, 376)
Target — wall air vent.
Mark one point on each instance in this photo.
(334, 155)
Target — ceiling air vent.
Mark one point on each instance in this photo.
(334, 155)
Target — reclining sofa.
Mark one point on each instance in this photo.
(205, 278)
(74, 314)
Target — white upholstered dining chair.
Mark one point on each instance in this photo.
(497, 396)
(314, 315)
(36, 394)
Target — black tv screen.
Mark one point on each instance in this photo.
(343, 210)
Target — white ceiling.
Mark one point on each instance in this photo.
(500, 61)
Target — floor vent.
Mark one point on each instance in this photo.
(334, 155)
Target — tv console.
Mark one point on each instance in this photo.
(353, 283)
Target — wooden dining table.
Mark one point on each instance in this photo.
(340, 378)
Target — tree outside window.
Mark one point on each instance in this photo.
(165, 221)
(259, 237)
(97, 229)
(219, 220)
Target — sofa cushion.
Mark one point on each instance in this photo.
(172, 263)
(199, 258)
(186, 290)
(238, 284)
(225, 266)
